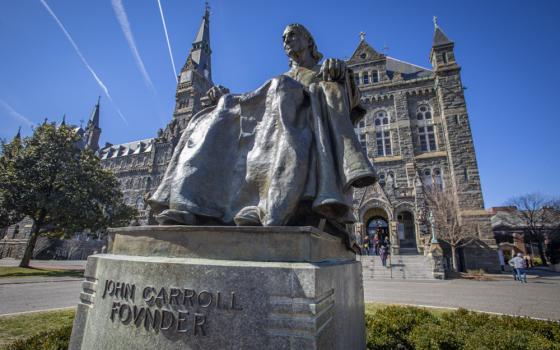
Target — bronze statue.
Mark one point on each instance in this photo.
(284, 154)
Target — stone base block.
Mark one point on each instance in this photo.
(306, 297)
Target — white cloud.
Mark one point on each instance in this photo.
(14, 114)
(79, 53)
(127, 31)
(167, 39)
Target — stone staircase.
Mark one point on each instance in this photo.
(411, 267)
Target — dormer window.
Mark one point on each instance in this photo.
(374, 76)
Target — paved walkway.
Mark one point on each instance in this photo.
(539, 298)
(48, 264)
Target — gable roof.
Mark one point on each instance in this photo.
(365, 52)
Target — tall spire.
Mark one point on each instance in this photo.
(439, 36)
(94, 118)
(63, 122)
(18, 135)
(200, 51)
(93, 132)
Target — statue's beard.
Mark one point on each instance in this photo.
(294, 55)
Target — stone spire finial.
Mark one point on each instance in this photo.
(362, 36)
(435, 22)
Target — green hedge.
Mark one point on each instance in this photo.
(51, 340)
(397, 327)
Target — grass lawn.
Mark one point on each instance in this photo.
(17, 327)
(23, 326)
(14, 271)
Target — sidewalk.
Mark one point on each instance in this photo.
(48, 264)
(36, 279)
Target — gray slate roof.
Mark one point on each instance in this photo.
(408, 70)
(124, 149)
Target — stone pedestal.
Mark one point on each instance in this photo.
(181, 287)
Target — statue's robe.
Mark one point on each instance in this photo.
(289, 142)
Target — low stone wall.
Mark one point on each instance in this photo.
(66, 249)
(52, 248)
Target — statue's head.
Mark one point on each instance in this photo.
(298, 43)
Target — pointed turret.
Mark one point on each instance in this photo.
(94, 118)
(93, 132)
(18, 135)
(63, 122)
(439, 36)
(442, 55)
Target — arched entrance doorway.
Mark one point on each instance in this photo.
(405, 230)
(378, 225)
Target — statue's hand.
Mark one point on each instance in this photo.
(215, 93)
(333, 70)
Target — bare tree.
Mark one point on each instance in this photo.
(541, 217)
(447, 222)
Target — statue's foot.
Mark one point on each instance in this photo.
(175, 217)
(248, 216)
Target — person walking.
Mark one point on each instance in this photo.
(518, 264)
(383, 253)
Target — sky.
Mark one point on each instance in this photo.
(117, 49)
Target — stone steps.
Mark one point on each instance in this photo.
(417, 267)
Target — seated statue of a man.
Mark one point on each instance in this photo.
(284, 154)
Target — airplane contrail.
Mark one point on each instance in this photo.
(79, 53)
(168, 43)
(127, 31)
(12, 112)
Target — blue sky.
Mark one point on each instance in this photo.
(508, 50)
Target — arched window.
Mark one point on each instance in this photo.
(381, 179)
(423, 112)
(382, 134)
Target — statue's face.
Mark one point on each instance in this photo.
(295, 42)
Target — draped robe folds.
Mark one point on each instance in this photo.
(288, 142)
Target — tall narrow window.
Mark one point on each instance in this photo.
(362, 138)
(444, 57)
(365, 78)
(427, 178)
(427, 138)
(374, 76)
(357, 79)
(438, 181)
(382, 134)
